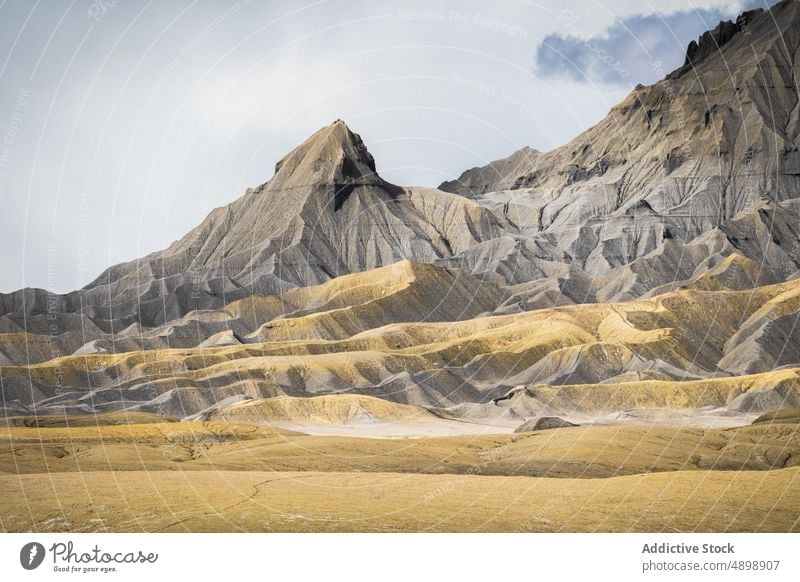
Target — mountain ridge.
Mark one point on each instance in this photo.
(662, 244)
(671, 162)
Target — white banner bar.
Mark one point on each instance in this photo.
(381, 557)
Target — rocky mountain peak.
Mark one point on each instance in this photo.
(713, 40)
(334, 155)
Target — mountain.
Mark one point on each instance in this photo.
(710, 151)
(679, 177)
(342, 307)
(714, 135)
(326, 212)
(690, 349)
(651, 262)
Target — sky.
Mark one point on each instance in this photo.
(122, 123)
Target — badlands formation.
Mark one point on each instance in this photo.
(518, 350)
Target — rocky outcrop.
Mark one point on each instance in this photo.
(511, 173)
(712, 41)
(543, 423)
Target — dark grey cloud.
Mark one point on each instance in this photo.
(639, 49)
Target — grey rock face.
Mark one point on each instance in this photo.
(543, 423)
(712, 41)
(711, 148)
(325, 213)
(701, 166)
(691, 183)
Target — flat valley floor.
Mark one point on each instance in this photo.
(137, 473)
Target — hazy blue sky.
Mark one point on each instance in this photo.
(124, 123)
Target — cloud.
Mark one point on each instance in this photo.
(637, 49)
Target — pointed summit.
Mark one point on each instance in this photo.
(712, 41)
(334, 155)
(746, 41)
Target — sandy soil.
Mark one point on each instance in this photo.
(387, 502)
(220, 476)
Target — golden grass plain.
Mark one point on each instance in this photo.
(251, 466)
(219, 476)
